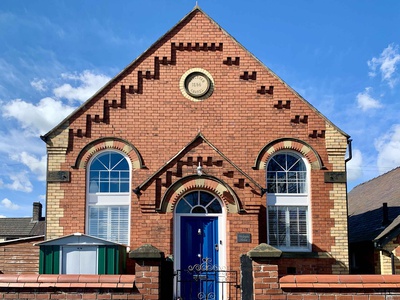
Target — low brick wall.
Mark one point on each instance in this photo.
(45, 286)
(267, 285)
(145, 285)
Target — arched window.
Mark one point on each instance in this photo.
(288, 202)
(286, 173)
(109, 197)
(199, 202)
(109, 173)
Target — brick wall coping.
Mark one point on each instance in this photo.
(66, 281)
(340, 281)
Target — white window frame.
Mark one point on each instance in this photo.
(292, 200)
(107, 199)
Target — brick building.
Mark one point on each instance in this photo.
(199, 151)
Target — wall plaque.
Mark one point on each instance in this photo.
(196, 84)
(335, 177)
(244, 237)
(58, 176)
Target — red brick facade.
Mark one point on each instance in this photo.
(250, 115)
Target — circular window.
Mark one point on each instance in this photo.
(196, 84)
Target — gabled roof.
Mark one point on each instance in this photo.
(153, 47)
(199, 138)
(365, 207)
(389, 233)
(22, 240)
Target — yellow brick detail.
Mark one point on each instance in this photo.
(336, 145)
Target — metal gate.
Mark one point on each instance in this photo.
(203, 283)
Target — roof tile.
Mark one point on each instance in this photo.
(328, 278)
(109, 278)
(349, 278)
(28, 278)
(109, 285)
(127, 278)
(66, 281)
(62, 284)
(68, 278)
(391, 278)
(8, 278)
(306, 278)
(48, 278)
(89, 278)
(372, 279)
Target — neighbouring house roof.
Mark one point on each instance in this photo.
(21, 227)
(22, 240)
(388, 233)
(365, 208)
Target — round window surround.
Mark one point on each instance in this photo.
(196, 84)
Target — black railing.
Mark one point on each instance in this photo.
(194, 284)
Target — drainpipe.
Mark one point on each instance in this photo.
(350, 151)
(349, 140)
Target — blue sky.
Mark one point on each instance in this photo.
(343, 56)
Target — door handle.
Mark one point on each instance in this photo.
(216, 247)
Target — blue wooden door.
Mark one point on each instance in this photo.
(199, 257)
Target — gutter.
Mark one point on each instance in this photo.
(350, 151)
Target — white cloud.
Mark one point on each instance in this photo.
(388, 147)
(40, 118)
(3, 216)
(386, 63)
(20, 182)
(15, 136)
(37, 166)
(354, 166)
(39, 84)
(365, 101)
(8, 204)
(89, 84)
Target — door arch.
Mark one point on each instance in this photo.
(199, 243)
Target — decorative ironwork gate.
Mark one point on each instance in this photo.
(205, 282)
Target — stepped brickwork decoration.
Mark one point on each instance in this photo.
(155, 75)
(315, 134)
(232, 62)
(246, 76)
(297, 119)
(280, 104)
(264, 91)
(148, 75)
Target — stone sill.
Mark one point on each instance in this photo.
(340, 282)
(306, 255)
(66, 281)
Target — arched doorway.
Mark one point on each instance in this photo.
(199, 245)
